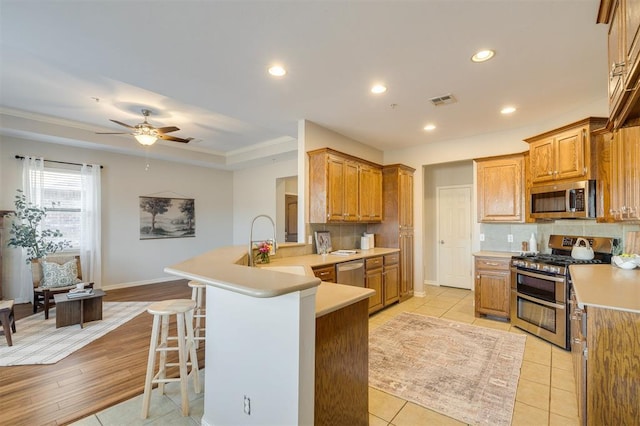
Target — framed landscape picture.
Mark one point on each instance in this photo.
(167, 218)
(323, 242)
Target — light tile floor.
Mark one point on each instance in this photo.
(545, 395)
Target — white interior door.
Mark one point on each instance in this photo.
(454, 236)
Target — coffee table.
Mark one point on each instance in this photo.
(78, 310)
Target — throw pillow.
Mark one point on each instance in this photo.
(56, 275)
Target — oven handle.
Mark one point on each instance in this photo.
(543, 277)
(542, 302)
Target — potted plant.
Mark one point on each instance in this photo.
(27, 232)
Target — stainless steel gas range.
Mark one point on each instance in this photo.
(541, 284)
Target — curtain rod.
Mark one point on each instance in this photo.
(20, 157)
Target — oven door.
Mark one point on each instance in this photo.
(538, 305)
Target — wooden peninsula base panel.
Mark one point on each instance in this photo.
(342, 366)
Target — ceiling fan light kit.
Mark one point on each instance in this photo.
(146, 134)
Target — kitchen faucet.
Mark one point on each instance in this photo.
(251, 237)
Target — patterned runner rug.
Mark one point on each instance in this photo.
(38, 341)
(466, 372)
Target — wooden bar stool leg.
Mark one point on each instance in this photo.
(164, 343)
(191, 345)
(182, 360)
(150, 366)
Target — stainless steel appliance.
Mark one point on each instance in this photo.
(350, 273)
(564, 201)
(540, 286)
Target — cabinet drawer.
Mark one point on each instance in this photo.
(373, 263)
(325, 273)
(392, 259)
(495, 263)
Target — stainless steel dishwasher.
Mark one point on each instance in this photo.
(350, 273)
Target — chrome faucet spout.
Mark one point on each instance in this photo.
(273, 225)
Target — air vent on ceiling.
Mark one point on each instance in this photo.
(443, 100)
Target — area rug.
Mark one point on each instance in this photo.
(463, 371)
(38, 341)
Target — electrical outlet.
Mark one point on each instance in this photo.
(481, 237)
(309, 240)
(247, 405)
(510, 238)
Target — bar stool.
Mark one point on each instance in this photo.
(199, 312)
(161, 311)
(7, 319)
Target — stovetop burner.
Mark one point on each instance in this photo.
(556, 259)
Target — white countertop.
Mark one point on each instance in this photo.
(220, 268)
(606, 286)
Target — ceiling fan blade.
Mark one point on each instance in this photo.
(112, 133)
(174, 139)
(122, 124)
(167, 129)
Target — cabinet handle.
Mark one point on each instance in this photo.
(478, 276)
(617, 69)
(492, 263)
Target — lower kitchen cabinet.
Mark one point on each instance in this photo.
(382, 274)
(492, 286)
(391, 278)
(325, 273)
(373, 280)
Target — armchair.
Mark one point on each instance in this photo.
(43, 295)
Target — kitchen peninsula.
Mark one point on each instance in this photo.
(274, 337)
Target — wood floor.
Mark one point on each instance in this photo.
(107, 371)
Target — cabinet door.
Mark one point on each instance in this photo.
(391, 280)
(406, 264)
(350, 191)
(541, 160)
(500, 190)
(373, 280)
(335, 188)
(625, 174)
(375, 195)
(632, 41)
(570, 154)
(616, 60)
(405, 198)
(492, 293)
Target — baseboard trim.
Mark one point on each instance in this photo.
(138, 283)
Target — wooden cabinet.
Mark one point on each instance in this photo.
(396, 229)
(565, 154)
(501, 188)
(623, 17)
(608, 386)
(343, 188)
(391, 278)
(492, 287)
(325, 273)
(370, 193)
(373, 280)
(625, 174)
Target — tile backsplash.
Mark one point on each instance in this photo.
(496, 234)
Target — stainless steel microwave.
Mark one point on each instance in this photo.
(573, 200)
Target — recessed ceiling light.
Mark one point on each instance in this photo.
(378, 88)
(483, 55)
(429, 127)
(508, 110)
(277, 71)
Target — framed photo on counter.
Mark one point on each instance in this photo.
(323, 242)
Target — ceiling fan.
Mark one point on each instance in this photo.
(145, 133)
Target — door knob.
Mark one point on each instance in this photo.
(441, 241)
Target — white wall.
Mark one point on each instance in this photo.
(127, 259)
(254, 193)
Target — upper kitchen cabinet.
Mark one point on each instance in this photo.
(565, 154)
(343, 188)
(623, 17)
(501, 188)
(625, 174)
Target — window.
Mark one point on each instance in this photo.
(62, 198)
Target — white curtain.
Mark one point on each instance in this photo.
(32, 178)
(90, 225)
